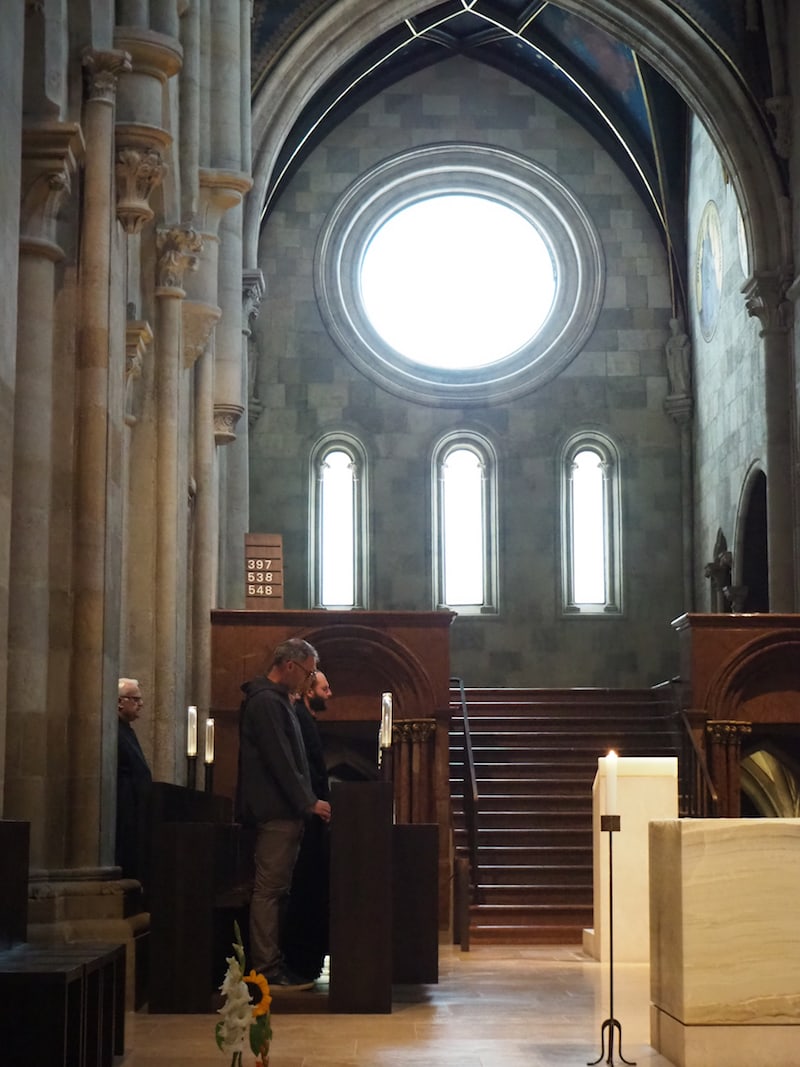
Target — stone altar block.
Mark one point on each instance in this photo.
(725, 942)
(647, 788)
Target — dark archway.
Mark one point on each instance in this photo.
(754, 551)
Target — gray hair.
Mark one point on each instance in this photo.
(126, 683)
(295, 650)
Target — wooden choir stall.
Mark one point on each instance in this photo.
(390, 866)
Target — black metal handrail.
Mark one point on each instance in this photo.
(470, 786)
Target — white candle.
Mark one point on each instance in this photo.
(386, 720)
(611, 783)
(191, 731)
(209, 758)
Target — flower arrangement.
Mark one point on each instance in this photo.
(242, 1017)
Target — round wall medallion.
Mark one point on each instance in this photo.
(708, 270)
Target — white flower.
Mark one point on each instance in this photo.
(236, 1012)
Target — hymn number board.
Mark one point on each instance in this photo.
(263, 572)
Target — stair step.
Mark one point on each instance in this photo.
(536, 758)
(541, 934)
(513, 821)
(554, 875)
(535, 894)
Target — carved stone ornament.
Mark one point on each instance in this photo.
(414, 731)
(727, 731)
(138, 338)
(780, 107)
(226, 419)
(767, 299)
(199, 320)
(178, 250)
(253, 289)
(102, 69)
(50, 156)
(139, 168)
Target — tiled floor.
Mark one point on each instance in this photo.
(493, 1007)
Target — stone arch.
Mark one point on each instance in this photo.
(664, 37)
(750, 558)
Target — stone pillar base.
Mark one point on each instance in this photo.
(95, 910)
(735, 1046)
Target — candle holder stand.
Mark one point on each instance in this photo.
(610, 824)
(209, 777)
(386, 765)
(191, 772)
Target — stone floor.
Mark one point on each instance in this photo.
(493, 1007)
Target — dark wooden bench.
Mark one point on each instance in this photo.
(65, 1002)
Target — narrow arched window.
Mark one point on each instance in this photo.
(339, 524)
(591, 548)
(465, 524)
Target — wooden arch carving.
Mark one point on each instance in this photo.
(759, 681)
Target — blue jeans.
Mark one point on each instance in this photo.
(277, 845)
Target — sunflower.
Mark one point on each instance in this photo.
(262, 1005)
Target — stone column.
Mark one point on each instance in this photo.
(680, 409)
(49, 159)
(218, 193)
(236, 458)
(766, 297)
(93, 695)
(177, 251)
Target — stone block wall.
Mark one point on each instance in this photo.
(616, 385)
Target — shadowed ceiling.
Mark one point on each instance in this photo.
(599, 80)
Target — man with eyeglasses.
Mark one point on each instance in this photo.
(274, 795)
(133, 782)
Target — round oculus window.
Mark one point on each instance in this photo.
(459, 274)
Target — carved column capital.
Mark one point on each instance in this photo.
(102, 70)
(50, 155)
(727, 731)
(226, 419)
(178, 250)
(414, 731)
(767, 299)
(139, 168)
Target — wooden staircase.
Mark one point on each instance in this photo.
(536, 754)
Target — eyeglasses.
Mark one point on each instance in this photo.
(136, 700)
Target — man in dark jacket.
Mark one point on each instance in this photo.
(274, 794)
(133, 783)
(305, 937)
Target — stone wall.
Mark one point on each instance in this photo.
(730, 423)
(617, 384)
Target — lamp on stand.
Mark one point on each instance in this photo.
(610, 823)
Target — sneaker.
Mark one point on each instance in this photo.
(286, 982)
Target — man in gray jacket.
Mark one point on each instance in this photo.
(274, 794)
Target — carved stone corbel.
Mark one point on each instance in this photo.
(139, 168)
(199, 320)
(226, 419)
(138, 338)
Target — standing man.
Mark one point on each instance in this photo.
(133, 783)
(305, 939)
(274, 794)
